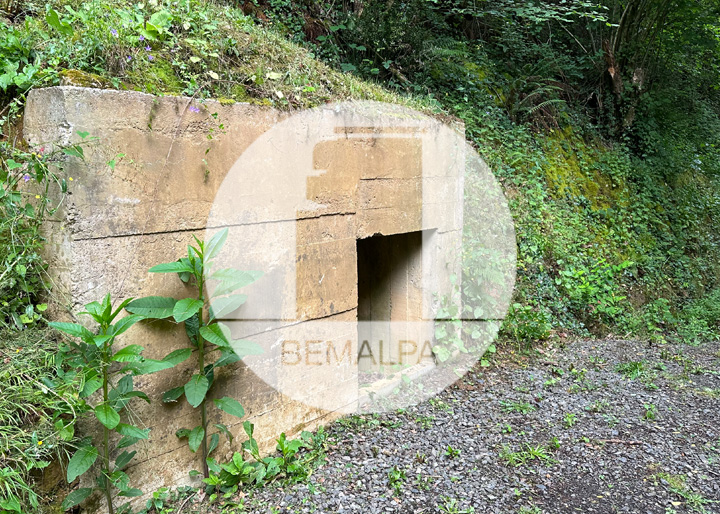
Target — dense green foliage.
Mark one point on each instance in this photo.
(40, 402)
(32, 185)
(601, 122)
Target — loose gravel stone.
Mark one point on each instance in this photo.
(595, 440)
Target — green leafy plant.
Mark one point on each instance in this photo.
(99, 367)
(32, 187)
(520, 407)
(651, 412)
(526, 324)
(206, 334)
(396, 478)
(452, 452)
(528, 453)
(600, 405)
(570, 419)
(293, 461)
(452, 506)
(423, 482)
(425, 422)
(632, 369)
(678, 485)
(595, 286)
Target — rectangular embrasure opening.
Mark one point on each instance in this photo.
(389, 289)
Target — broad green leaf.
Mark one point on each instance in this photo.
(195, 438)
(173, 394)
(244, 347)
(91, 385)
(80, 462)
(76, 497)
(249, 428)
(107, 416)
(125, 323)
(210, 374)
(120, 479)
(154, 307)
(227, 356)
(171, 267)
(132, 431)
(252, 446)
(137, 394)
(131, 493)
(216, 242)
(238, 461)
(214, 441)
(100, 340)
(192, 327)
(178, 356)
(223, 306)
(65, 431)
(124, 459)
(125, 384)
(186, 308)
(186, 276)
(53, 20)
(217, 333)
(11, 164)
(161, 19)
(230, 279)
(94, 310)
(149, 366)
(74, 151)
(212, 463)
(130, 353)
(196, 389)
(126, 441)
(10, 504)
(231, 406)
(224, 430)
(149, 32)
(74, 329)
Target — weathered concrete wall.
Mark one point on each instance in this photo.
(117, 223)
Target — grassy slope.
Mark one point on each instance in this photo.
(200, 49)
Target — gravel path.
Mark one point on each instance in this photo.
(595, 427)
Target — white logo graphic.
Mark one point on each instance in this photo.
(388, 254)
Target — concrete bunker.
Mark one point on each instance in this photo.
(324, 205)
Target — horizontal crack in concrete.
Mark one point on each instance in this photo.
(196, 229)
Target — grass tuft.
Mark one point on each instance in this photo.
(37, 416)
